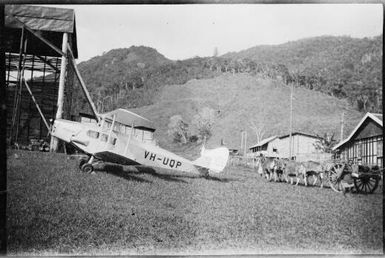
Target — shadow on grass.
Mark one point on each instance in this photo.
(119, 172)
(128, 172)
(222, 180)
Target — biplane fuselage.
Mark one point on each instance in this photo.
(115, 141)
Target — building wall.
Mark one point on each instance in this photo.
(301, 145)
(267, 149)
(366, 146)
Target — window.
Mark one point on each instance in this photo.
(93, 134)
(371, 150)
(107, 125)
(379, 148)
(123, 129)
(117, 127)
(112, 140)
(128, 130)
(138, 134)
(104, 137)
(147, 136)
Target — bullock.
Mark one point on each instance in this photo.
(268, 167)
(292, 169)
(314, 169)
(303, 170)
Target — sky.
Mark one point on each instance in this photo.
(184, 31)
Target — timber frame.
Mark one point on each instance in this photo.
(34, 37)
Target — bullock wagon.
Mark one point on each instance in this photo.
(364, 178)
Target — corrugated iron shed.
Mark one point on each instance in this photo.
(49, 22)
(31, 34)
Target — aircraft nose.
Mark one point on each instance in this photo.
(65, 129)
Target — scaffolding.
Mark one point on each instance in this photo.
(34, 36)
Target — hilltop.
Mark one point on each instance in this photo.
(241, 98)
(344, 67)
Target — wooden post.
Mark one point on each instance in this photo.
(342, 127)
(245, 145)
(37, 105)
(291, 121)
(16, 91)
(60, 100)
(3, 134)
(20, 95)
(241, 141)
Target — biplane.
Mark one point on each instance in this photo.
(125, 138)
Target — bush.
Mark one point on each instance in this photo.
(178, 129)
(203, 122)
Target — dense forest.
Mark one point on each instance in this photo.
(342, 67)
(339, 66)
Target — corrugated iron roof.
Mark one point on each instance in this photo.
(374, 116)
(379, 116)
(264, 141)
(300, 133)
(40, 18)
(49, 22)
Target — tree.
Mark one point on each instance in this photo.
(204, 121)
(326, 143)
(259, 129)
(178, 129)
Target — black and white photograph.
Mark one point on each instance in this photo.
(192, 129)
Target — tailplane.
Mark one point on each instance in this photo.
(215, 160)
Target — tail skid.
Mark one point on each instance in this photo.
(215, 160)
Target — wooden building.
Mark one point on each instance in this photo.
(265, 147)
(33, 41)
(302, 144)
(364, 145)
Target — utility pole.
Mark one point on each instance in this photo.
(291, 121)
(342, 127)
(243, 142)
(245, 145)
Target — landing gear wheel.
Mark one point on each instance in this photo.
(87, 168)
(82, 162)
(204, 172)
(366, 184)
(334, 177)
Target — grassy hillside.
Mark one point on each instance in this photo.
(53, 209)
(131, 77)
(341, 66)
(344, 67)
(241, 98)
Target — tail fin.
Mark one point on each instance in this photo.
(215, 160)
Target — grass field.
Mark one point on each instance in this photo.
(55, 209)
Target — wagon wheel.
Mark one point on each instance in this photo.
(334, 177)
(366, 184)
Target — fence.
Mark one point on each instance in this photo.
(318, 157)
(245, 161)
